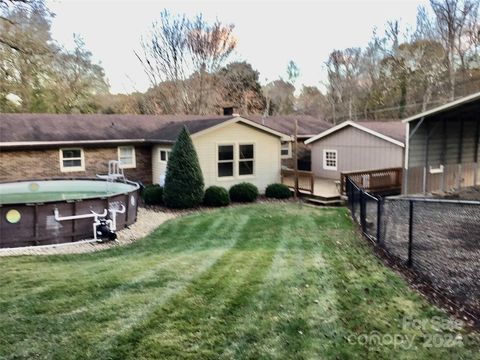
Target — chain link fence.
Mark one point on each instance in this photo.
(438, 239)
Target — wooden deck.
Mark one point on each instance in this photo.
(314, 189)
(378, 181)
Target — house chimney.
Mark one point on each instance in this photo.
(228, 111)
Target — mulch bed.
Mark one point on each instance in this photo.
(469, 193)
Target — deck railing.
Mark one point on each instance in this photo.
(380, 180)
(306, 179)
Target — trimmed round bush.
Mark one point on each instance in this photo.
(278, 191)
(243, 192)
(216, 196)
(153, 195)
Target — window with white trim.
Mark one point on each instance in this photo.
(330, 159)
(126, 156)
(286, 150)
(225, 160)
(164, 155)
(246, 159)
(72, 160)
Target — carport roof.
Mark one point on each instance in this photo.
(449, 106)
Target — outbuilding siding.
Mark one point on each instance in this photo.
(449, 145)
(452, 138)
(356, 150)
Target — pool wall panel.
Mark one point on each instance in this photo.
(37, 225)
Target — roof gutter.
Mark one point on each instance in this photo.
(69, 142)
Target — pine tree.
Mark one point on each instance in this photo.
(184, 179)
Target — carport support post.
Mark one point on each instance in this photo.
(425, 167)
(443, 155)
(295, 160)
(410, 234)
(460, 156)
(475, 154)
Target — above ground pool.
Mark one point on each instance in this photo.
(57, 211)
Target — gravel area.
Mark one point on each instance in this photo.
(148, 219)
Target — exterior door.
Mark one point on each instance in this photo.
(163, 159)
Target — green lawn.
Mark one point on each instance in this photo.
(262, 281)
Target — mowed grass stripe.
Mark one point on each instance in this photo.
(196, 322)
(281, 319)
(96, 317)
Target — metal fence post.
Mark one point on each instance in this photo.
(349, 194)
(363, 211)
(410, 235)
(379, 220)
(354, 193)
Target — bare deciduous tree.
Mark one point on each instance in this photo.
(185, 54)
(451, 18)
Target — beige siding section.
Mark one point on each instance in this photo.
(267, 155)
(356, 150)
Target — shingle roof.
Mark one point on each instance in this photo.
(394, 129)
(80, 127)
(307, 125)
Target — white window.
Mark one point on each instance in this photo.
(225, 160)
(330, 159)
(246, 159)
(164, 155)
(436, 169)
(72, 160)
(126, 156)
(286, 150)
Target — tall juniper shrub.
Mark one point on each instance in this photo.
(184, 180)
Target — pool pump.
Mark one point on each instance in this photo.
(103, 230)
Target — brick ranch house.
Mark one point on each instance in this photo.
(231, 149)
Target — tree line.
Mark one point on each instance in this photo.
(187, 62)
(38, 75)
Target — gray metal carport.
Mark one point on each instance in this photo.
(442, 147)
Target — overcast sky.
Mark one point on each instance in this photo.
(269, 33)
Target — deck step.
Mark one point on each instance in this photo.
(330, 201)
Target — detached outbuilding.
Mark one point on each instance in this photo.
(357, 146)
(443, 147)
